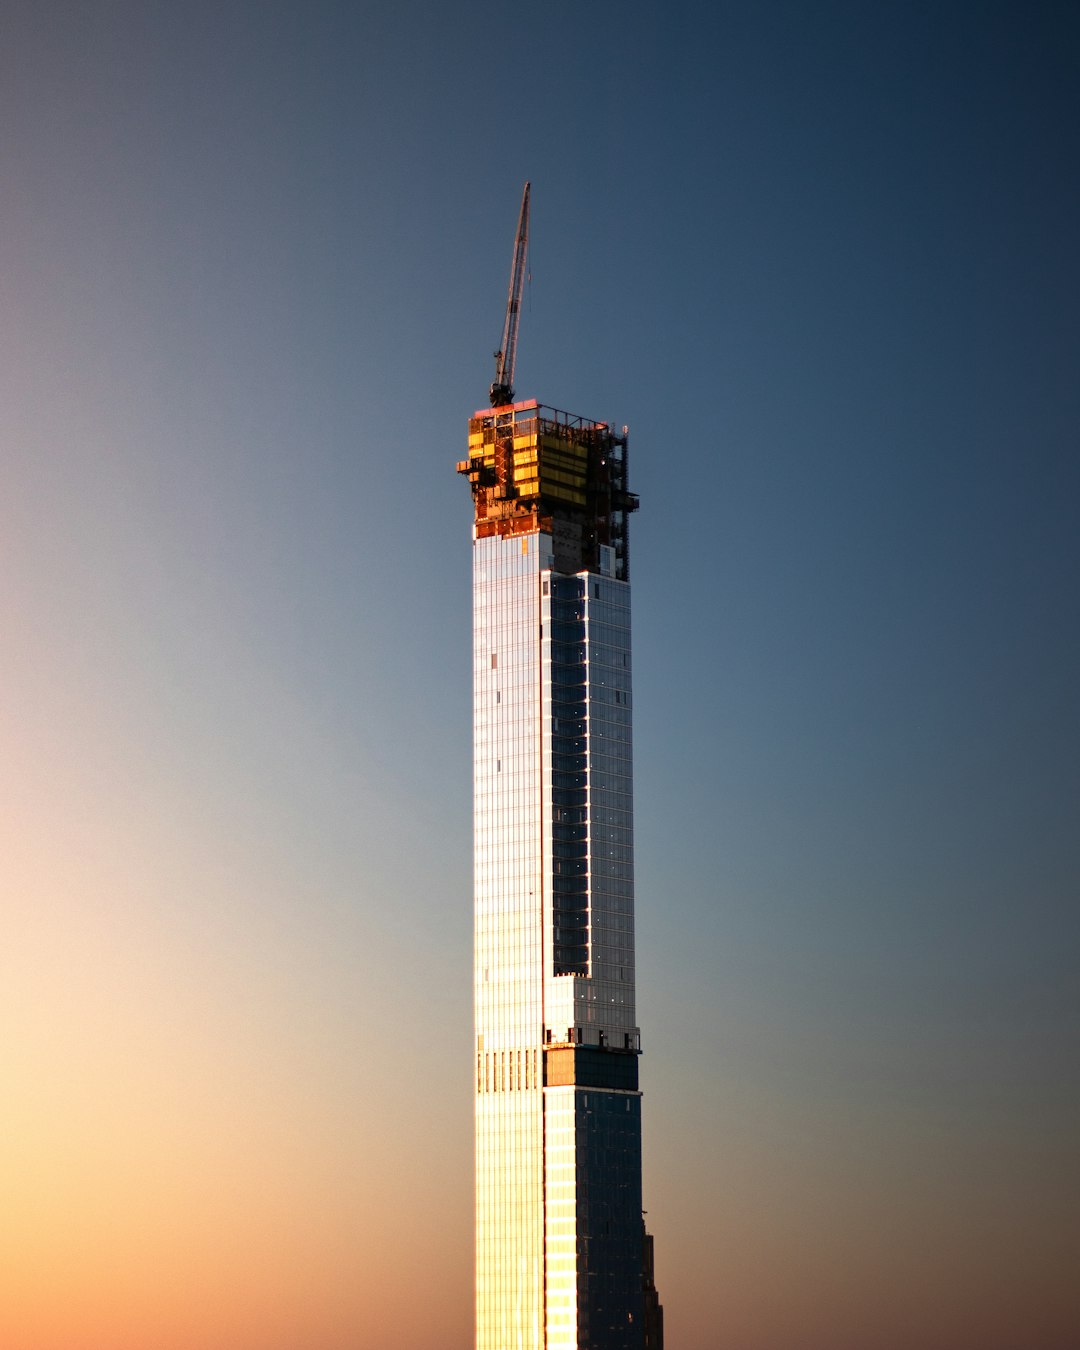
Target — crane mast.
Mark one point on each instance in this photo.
(502, 390)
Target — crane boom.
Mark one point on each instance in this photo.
(502, 391)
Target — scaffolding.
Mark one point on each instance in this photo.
(535, 468)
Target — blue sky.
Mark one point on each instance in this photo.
(822, 260)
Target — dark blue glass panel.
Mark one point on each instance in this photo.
(611, 1301)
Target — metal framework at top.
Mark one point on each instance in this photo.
(533, 467)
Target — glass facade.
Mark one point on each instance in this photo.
(509, 945)
(568, 744)
(610, 1300)
(558, 1126)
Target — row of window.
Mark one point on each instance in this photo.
(508, 1071)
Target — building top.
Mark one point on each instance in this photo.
(534, 468)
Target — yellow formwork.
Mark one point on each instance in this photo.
(545, 464)
(564, 446)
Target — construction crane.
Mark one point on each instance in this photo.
(502, 391)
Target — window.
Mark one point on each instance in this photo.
(494, 660)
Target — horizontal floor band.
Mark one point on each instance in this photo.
(590, 1066)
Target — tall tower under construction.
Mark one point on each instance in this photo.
(562, 1259)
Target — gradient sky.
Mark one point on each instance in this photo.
(823, 260)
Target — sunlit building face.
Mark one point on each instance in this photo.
(560, 1248)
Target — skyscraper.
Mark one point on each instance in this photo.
(562, 1261)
